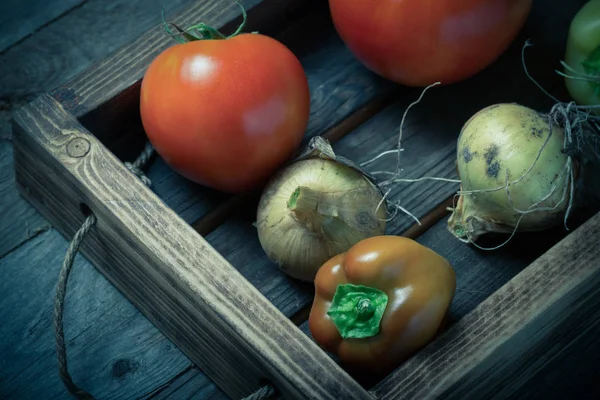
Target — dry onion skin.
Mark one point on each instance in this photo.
(514, 173)
(316, 207)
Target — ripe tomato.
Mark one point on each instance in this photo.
(419, 42)
(227, 112)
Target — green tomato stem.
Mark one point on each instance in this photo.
(201, 31)
(357, 310)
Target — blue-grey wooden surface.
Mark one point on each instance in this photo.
(43, 44)
(116, 352)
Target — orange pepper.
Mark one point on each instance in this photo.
(381, 301)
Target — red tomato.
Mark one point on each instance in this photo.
(226, 113)
(419, 42)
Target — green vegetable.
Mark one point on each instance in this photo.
(514, 173)
(582, 57)
(357, 310)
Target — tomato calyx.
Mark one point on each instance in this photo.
(201, 31)
(357, 310)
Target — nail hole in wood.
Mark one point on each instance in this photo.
(85, 210)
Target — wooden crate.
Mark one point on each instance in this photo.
(189, 259)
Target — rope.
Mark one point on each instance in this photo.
(61, 290)
(262, 393)
(138, 164)
(59, 303)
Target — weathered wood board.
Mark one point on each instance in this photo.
(184, 199)
(17, 21)
(114, 351)
(20, 222)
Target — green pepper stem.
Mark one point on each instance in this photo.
(357, 310)
(364, 309)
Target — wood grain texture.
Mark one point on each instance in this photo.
(510, 334)
(72, 43)
(19, 19)
(165, 268)
(114, 351)
(479, 273)
(68, 45)
(567, 366)
(19, 221)
(191, 384)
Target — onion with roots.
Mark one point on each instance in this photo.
(514, 173)
(523, 170)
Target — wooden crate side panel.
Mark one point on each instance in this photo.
(480, 273)
(165, 259)
(105, 251)
(468, 360)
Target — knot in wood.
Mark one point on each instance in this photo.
(78, 147)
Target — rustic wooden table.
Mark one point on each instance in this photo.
(114, 351)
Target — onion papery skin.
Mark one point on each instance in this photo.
(497, 145)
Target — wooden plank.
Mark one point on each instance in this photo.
(503, 338)
(191, 383)
(75, 41)
(151, 255)
(569, 363)
(19, 221)
(114, 351)
(17, 20)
